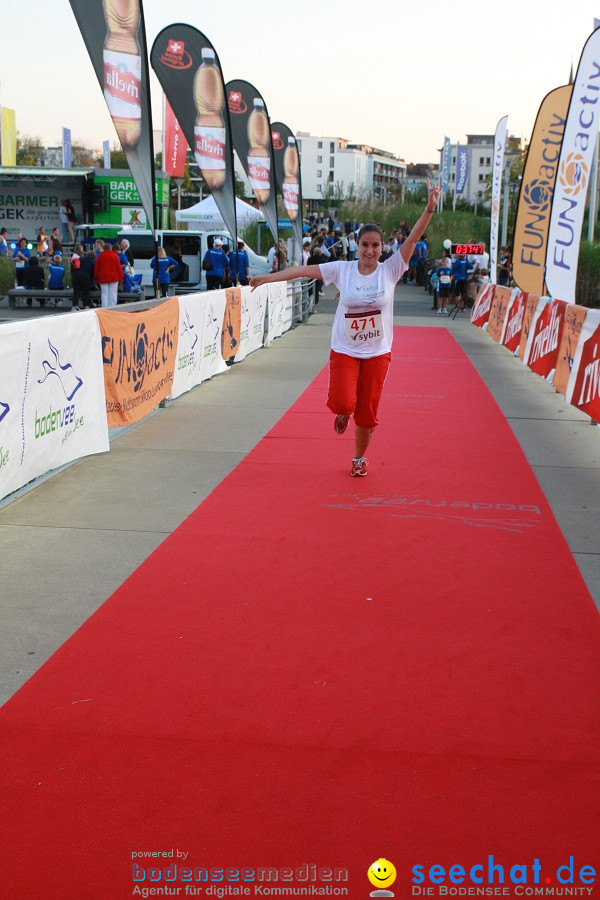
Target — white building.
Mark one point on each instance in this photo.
(480, 149)
(350, 170)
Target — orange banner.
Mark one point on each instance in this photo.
(537, 189)
(232, 324)
(138, 352)
(498, 311)
(531, 306)
(574, 319)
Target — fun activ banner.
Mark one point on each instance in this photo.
(573, 323)
(289, 181)
(52, 407)
(139, 353)
(583, 389)
(251, 133)
(537, 189)
(189, 71)
(174, 145)
(114, 34)
(497, 172)
(574, 172)
(462, 168)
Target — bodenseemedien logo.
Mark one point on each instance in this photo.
(573, 174)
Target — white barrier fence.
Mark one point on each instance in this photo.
(52, 393)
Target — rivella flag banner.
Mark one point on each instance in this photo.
(8, 137)
(251, 133)
(583, 389)
(189, 72)
(175, 145)
(462, 168)
(52, 407)
(287, 172)
(139, 354)
(537, 189)
(498, 169)
(114, 34)
(574, 172)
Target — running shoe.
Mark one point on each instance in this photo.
(341, 423)
(359, 466)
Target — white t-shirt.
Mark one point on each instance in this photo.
(364, 320)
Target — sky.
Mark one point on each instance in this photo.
(391, 75)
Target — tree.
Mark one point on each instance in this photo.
(30, 150)
(117, 158)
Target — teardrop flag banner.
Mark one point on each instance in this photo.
(287, 173)
(188, 69)
(537, 189)
(498, 169)
(115, 36)
(251, 133)
(174, 144)
(574, 172)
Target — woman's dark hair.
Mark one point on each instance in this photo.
(33, 261)
(371, 226)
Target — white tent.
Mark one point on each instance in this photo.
(206, 214)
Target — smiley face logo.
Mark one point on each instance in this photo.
(382, 873)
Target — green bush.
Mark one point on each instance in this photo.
(587, 290)
(7, 275)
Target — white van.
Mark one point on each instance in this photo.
(190, 246)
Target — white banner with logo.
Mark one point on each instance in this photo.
(189, 344)
(254, 304)
(278, 302)
(52, 402)
(574, 172)
(499, 146)
(213, 313)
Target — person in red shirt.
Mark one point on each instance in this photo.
(108, 273)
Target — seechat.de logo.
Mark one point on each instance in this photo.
(538, 195)
(573, 174)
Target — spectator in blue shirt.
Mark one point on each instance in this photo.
(57, 274)
(459, 276)
(22, 256)
(165, 264)
(214, 264)
(444, 274)
(240, 264)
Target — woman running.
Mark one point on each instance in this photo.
(362, 333)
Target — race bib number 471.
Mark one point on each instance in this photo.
(364, 327)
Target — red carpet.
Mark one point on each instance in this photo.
(322, 670)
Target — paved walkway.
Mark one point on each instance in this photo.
(70, 542)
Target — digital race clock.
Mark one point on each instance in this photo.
(468, 249)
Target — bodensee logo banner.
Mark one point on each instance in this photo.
(52, 406)
(114, 34)
(574, 172)
(189, 72)
(497, 171)
(251, 132)
(537, 189)
(139, 354)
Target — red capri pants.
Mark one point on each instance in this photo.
(355, 386)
